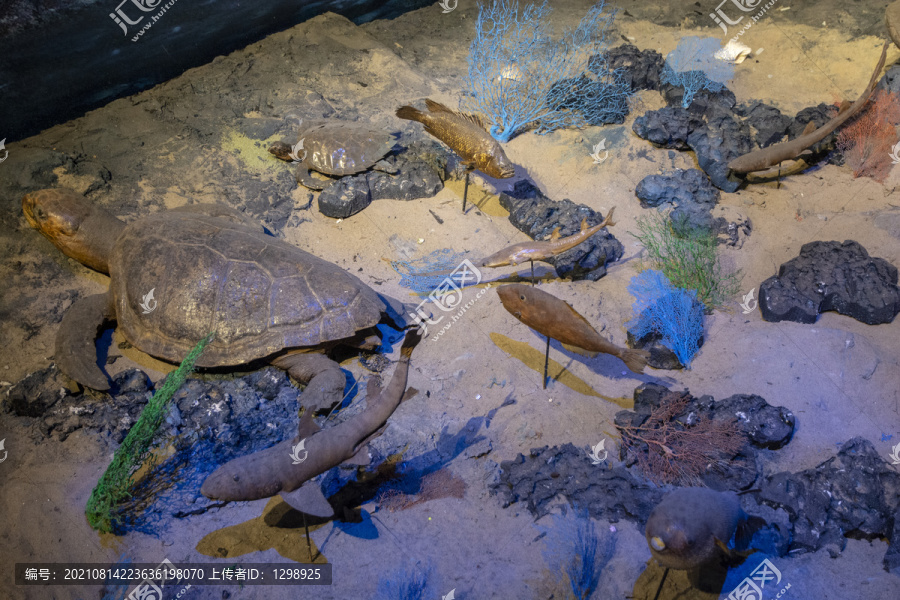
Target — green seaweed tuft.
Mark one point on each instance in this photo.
(102, 508)
(688, 257)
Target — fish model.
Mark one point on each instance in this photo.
(276, 470)
(690, 526)
(764, 158)
(465, 134)
(555, 318)
(535, 250)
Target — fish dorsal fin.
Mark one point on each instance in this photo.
(581, 317)
(409, 393)
(845, 106)
(810, 127)
(437, 107)
(555, 234)
(584, 225)
(307, 426)
(308, 498)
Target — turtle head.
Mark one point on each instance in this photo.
(281, 150)
(80, 229)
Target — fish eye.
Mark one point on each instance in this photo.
(236, 477)
(521, 296)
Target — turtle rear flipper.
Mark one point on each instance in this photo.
(76, 340)
(305, 177)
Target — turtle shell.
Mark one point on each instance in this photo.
(212, 269)
(337, 148)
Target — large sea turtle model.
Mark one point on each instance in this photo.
(177, 275)
(335, 148)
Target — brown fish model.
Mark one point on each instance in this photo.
(552, 317)
(764, 158)
(690, 526)
(287, 469)
(465, 134)
(535, 250)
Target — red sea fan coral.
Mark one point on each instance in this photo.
(867, 142)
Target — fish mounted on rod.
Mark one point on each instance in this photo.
(542, 250)
(279, 469)
(466, 135)
(768, 157)
(555, 318)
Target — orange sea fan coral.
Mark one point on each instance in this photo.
(866, 143)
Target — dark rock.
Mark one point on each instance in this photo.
(661, 357)
(770, 124)
(721, 140)
(767, 427)
(536, 215)
(832, 276)
(668, 127)
(607, 493)
(854, 494)
(345, 197)
(419, 172)
(36, 393)
(819, 115)
(891, 80)
(892, 556)
(704, 102)
(683, 186)
(640, 68)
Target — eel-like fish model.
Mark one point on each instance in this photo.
(465, 134)
(555, 318)
(276, 470)
(764, 158)
(535, 250)
(690, 525)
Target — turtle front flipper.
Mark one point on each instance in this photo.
(76, 340)
(304, 177)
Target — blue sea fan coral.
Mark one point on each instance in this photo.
(692, 65)
(576, 553)
(521, 77)
(405, 585)
(674, 313)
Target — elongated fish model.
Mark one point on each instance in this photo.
(287, 468)
(465, 134)
(764, 158)
(535, 250)
(690, 526)
(555, 318)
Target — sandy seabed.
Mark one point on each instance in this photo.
(203, 137)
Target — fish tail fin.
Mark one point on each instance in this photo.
(413, 337)
(410, 113)
(608, 221)
(635, 360)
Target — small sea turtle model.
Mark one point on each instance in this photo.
(177, 275)
(337, 149)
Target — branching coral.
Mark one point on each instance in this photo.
(868, 143)
(520, 77)
(675, 445)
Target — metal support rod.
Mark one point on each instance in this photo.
(546, 361)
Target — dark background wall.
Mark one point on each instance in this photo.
(58, 61)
